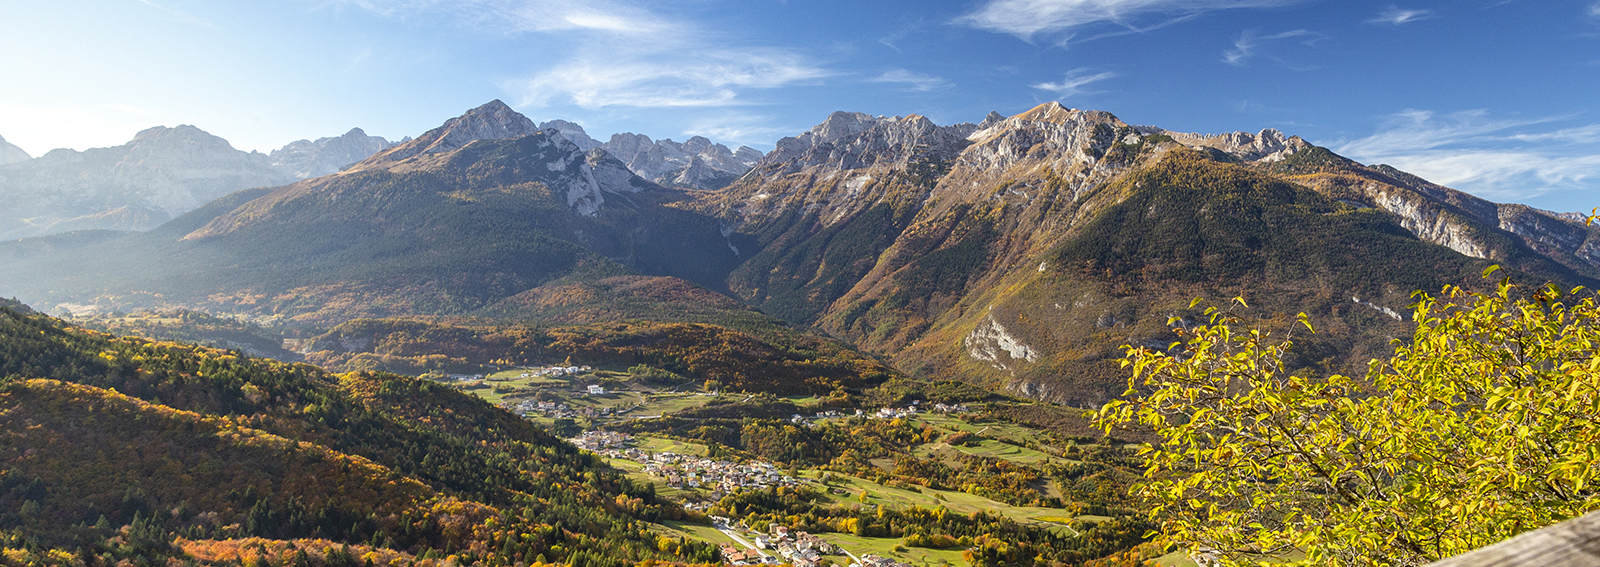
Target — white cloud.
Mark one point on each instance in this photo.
(1594, 9)
(912, 80)
(1498, 159)
(1074, 82)
(740, 128)
(1027, 18)
(1395, 15)
(618, 53)
(1248, 43)
(709, 77)
(519, 16)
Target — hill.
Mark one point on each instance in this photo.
(115, 446)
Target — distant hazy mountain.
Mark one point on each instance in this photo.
(305, 158)
(11, 154)
(485, 207)
(163, 172)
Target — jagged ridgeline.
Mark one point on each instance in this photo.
(1020, 253)
(123, 448)
(1024, 251)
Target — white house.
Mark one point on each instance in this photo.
(596, 390)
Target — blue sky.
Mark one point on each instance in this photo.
(1497, 97)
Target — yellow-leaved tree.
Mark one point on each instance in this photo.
(1486, 424)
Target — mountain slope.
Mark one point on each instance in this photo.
(1022, 252)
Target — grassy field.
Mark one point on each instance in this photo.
(662, 445)
(959, 502)
(921, 557)
(703, 533)
(987, 448)
(654, 404)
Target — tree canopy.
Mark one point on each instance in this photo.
(1482, 426)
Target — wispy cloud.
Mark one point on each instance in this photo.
(912, 80)
(620, 53)
(740, 128)
(1249, 44)
(518, 16)
(1028, 18)
(707, 77)
(1495, 158)
(1396, 16)
(1594, 9)
(1074, 82)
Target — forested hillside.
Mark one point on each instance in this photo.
(127, 449)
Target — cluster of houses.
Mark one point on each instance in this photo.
(555, 371)
(527, 408)
(912, 410)
(821, 415)
(800, 549)
(870, 560)
(602, 441)
(720, 477)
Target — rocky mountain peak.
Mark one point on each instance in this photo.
(306, 158)
(1268, 145)
(990, 120)
(852, 140)
(492, 121)
(11, 154)
(696, 163)
(180, 139)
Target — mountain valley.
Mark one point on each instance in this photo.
(878, 334)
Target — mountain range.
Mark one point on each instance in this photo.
(1017, 253)
(165, 172)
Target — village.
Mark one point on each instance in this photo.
(687, 471)
(720, 478)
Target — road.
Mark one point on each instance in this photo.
(727, 531)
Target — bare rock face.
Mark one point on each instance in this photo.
(572, 132)
(1266, 146)
(163, 172)
(697, 163)
(11, 154)
(306, 158)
